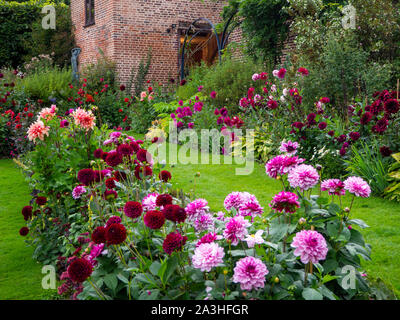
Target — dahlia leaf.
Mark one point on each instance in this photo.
(311, 294)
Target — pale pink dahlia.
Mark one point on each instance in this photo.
(237, 200)
(285, 202)
(290, 148)
(207, 256)
(303, 176)
(47, 113)
(236, 229)
(357, 186)
(84, 119)
(310, 246)
(149, 201)
(333, 186)
(250, 272)
(204, 222)
(197, 208)
(37, 130)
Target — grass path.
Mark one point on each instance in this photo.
(20, 275)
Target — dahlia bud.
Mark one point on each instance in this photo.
(276, 280)
(347, 209)
(302, 221)
(318, 167)
(225, 272)
(92, 163)
(197, 174)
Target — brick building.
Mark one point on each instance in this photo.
(125, 29)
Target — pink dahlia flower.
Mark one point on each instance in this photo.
(207, 256)
(290, 148)
(149, 201)
(204, 222)
(244, 203)
(303, 176)
(251, 208)
(37, 130)
(236, 229)
(357, 186)
(250, 272)
(47, 113)
(208, 238)
(78, 191)
(281, 165)
(310, 246)
(285, 201)
(333, 186)
(197, 208)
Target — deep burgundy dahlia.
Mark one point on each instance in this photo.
(113, 219)
(141, 171)
(135, 146)
(385, 151)
(99, 235)
(366, 118)
(110, 183)
(98, 153)
(174, 242)
(86, 176)
(24, 231)
(165, 175)
(125, 150)
(79, 270)
(115, 233)
(381, 125)
(27, 212)
(113, 159)
(392, 106)
(354, 136)
(331, 133)
(143, 156)
(104, 155)
(174, 213)
(322, 125)
(163, 200)
(41, 201)
(133, 209)
(154, 219)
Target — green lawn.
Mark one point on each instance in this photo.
(20, 275)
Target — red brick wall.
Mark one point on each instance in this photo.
(125, 29)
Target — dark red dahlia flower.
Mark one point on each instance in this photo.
(24, 231)
(163, 200)
(322, 125)
(354, 136)
(174, 242)
(366, 118)
(98, 153)
(141, 171)
(165, 175)
(392, 106)
(135, 146)
(41, 201)
(381, 126)
(143, 156)
(331, 133)
(110, 183)
(99, 235)
(169, 211)
(104, 155)
(113, 219)
(79, 270)
(86, 176)
(27, 212)
(133, 209)
(115, 233)
(272, 104)
(125, 150)
(385, 151)
(114, 158)
(154, 219)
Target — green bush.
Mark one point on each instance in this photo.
(230, 79)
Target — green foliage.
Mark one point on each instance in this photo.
(46, 84)
(367, 162)
(21, 36)
(230, 79)
(141, 115)
(392, 192)
(99, 73)
(138, 80)
(265, 26)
